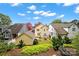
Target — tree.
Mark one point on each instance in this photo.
(57, 42)
(35, 42)
(75, 21)
(21, 44)
(67, 40)
(57, 21)
(75, 43)
(5, 20)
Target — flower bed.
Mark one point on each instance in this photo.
(30, 50)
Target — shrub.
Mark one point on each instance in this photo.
(35, 42)
(67, 40)
(11, 46)
(4, 47)
(21, 44)
(57, 42)
(30, 50)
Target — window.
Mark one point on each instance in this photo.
(7, 35)
(73, 29)
(0, 29)
(37, 29)
(44, 29)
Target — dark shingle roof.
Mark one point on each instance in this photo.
(59, 29)
(15, 28)
(66, 25)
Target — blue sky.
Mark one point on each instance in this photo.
(40, 12)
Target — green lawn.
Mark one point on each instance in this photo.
(42, 41)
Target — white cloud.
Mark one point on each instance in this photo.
(44, 13)
(28, 11)
(36, 18)
(69, 4)
(21, 14)
(32, 7)
(38, 12)
(14, 4)
(77, 9)
(61, 16)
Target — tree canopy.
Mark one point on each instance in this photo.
(57, 21)
(5, 20)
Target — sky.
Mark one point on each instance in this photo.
(40, 12)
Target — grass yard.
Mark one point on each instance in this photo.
(42, 41)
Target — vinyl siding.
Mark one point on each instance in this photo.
(26, 39)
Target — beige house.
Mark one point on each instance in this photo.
(41, 30)
(27, 38)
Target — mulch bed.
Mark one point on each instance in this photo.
(50, 52)
(14, 52)
(71, 50)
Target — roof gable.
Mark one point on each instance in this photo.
(59, 29)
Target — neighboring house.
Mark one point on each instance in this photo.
(41, 30)
(27, 38)
(5, 32)
(71, 28)
(68, 29)
(18, 30)
(56, 29)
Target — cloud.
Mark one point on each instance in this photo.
(69, 4)
(28, 11)
(32, 7)
(61, 16)
(21, 14)
(77, 9)
(44, 13)
(36, 18)
(15, 4)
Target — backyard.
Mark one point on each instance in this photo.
(42, 48)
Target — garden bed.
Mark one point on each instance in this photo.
(50, 52)
(71, 50)
(35, 49)
(16, 52)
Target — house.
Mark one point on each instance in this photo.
(56, 29)
(71, 28)
(20, 31)
(27, 38)
(5, 32)
(41, 30)
(65, 29)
